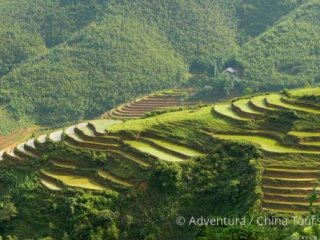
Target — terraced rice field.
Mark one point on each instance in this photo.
(267, 144)
(304, 134)
(115, 179)
(244, 106)
(287, 190)
(275, 100)
(64, 164)
(177, 148)
(305, 91)
(50, 185)
(74, 180)
(102, 124)
(139, 107)
(143, 147)
(226, 111)
(259, 103)
(286, 182)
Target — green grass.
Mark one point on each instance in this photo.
(265, 143)
(143, 147)
(49, 185)
(304, 134)
(225, 109)
(74, 180)
(112, 178)
(87, 131)
(177, 148)
(275, 99)
(305, 91)
(243, 104)
(64, 164)
(259, 101)
(316, 144)
(200, 116)
(103, 124)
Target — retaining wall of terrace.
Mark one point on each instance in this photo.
(260, 109)
(226, 117)
(90, 145)
(11, 158)
(241, 113)
(299, 103)
(93, 128)
(163, 149)
(99, 139)
(55, 181)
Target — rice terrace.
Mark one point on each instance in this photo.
(290, 165)
(150, 120)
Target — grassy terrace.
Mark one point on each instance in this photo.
(304, 134)
(245, 107)
(200, 117)
(226, 110)
(103, 124)
(50, 185)
(137, 108)
(64, 164)
(177, 148)
(74, 180)
(111, 177)
(260, 103)
(143, 147)
(275, 100)
(267, 144)
(289, 173)
(305, 91)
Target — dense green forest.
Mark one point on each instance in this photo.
(68, 60)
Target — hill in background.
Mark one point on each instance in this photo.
(62, 61)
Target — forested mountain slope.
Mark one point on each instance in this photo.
(66, 60)
(286, 55)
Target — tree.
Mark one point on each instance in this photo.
(8, 212)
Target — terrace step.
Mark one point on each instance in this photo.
(291, 183)
(114, 178)
(301, 103)
(152, 151)
(75, 141)
(276, 101)
(48, 183)
(287, 190)
(124, 114)
(287, 198)
(258, 103)
(185, 150)
(11, 156)
(21, 152)
(88, 135)
(244, 109)
(160, 147)
(56, 136)
(225, 111)
(132, 158)
(291, 174)
(284, 207)
(74, 180)
(64, 164)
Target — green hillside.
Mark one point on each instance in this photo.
(251, 157)
(287, 54)
(118, 51)
(62, 61)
